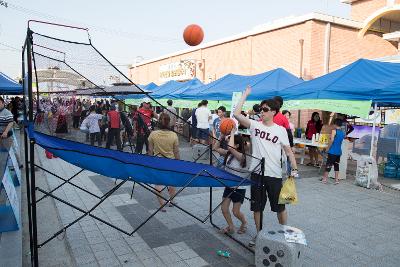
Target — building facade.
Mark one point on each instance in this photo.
(307, 46)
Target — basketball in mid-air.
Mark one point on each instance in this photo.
(193, 35)
(226, 126)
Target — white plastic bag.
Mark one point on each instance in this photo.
(366, 167)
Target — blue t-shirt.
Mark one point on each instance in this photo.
(216, 126)
(336, 147)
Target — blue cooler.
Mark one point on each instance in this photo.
(393, 159)
(390, 171)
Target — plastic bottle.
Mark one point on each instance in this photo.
(223, 253)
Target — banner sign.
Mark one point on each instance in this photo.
(357, 108)
(392, 116)
(11, 194)
(178, 71)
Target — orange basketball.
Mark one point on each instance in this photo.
(193, 35)
(226, 126)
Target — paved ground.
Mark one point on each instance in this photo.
(345, 225)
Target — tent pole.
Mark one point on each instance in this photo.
(372, 141)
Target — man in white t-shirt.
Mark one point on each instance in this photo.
(267, 140)
(203, 115)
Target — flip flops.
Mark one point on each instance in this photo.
(227, 230)
(171, 204)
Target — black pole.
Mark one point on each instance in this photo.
(37, 83)
(133, 188)
(262, 195)
(211, 197)
(32, 151)
(28, 188)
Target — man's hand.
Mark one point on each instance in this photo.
(243, 120)
(247, 92)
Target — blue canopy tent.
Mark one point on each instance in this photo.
(165, 88)
(362, 80)
(149, 87)
(264, 85)
(174, 91)
(8, 86)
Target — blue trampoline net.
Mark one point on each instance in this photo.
(81, 116)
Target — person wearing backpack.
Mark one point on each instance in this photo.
(144, 115)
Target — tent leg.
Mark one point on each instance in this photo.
(372, 142)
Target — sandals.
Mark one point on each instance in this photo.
(336, 183)
(324, 181)
(317, 165)
(309, 164)
(171, 204)
(227, 230)
(242, 229)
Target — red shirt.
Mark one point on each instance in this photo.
(146, 114)
(114, 119)
(312, 128)
(281, 120)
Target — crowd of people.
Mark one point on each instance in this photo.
(256, 155)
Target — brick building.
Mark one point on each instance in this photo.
(307, 46)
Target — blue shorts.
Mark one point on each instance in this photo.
(203, 134)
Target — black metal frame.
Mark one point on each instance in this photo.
(31, 177)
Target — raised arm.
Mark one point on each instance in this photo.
(231, 146)
(217, 145)
(243, 120)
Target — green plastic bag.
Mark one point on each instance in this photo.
(288, 194)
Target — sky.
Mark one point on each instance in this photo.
(129, 31)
